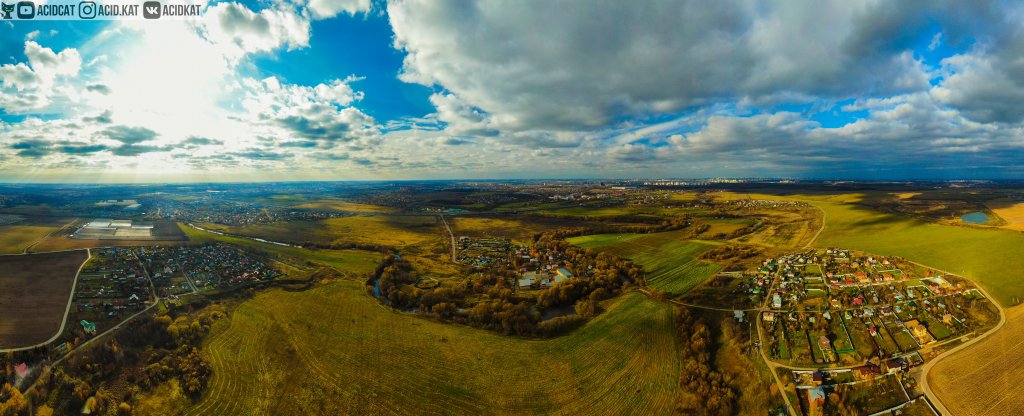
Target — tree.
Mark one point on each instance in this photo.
(586, 308)
(12, 403)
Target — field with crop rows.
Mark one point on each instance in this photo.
(670, 262)
(334, 350)
(984, 379)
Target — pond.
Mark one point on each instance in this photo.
(975, 218)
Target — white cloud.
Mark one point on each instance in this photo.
(238, 31)
(552, 65)
(323, 9)
(36, 86)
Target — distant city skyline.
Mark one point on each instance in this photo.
(325, 90)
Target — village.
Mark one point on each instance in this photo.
(865, 322)
(120, 281)
(111, 286)
(536, 268)
(211, 266)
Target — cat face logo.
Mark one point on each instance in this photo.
(6, 9)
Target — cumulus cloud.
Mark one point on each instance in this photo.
(35, 85)
(545, 65)
(319, 114)
(534, 88)
(323, 9)
(239, 30)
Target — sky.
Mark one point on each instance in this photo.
(437, 89)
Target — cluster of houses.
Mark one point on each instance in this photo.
(112, 282)
(868, 285)
(236, 213)
(540, 268)
(537, 268)
(110, 287)
(483, 252)
(842, 303)
(767, 203)
(219, 265)
(165, 270)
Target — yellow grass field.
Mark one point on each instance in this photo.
(1010, 211)
(334, 350)
(985, 378)
(340, 205)
(15, 238)
(392, 231)
(515, 229)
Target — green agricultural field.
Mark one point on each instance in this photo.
(990, 257)
(602, 240)
(334, 350)
(353, 261)
(670, 263)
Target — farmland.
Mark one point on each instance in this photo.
(15, 238)
(670, 263)
(392, 231)
(984, 378)
(990, 257)
(1010, 211)
(334, 350)
(34, 293)
(514, 228)
(353, 261)
(340, 205)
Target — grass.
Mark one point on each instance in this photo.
(991, 257)
(354, 261)
(633, 211)
(340, 205)
(517, 229)
(670, 263)
(15, 238)
(602, 240)
(392, 231)
(334, 350)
